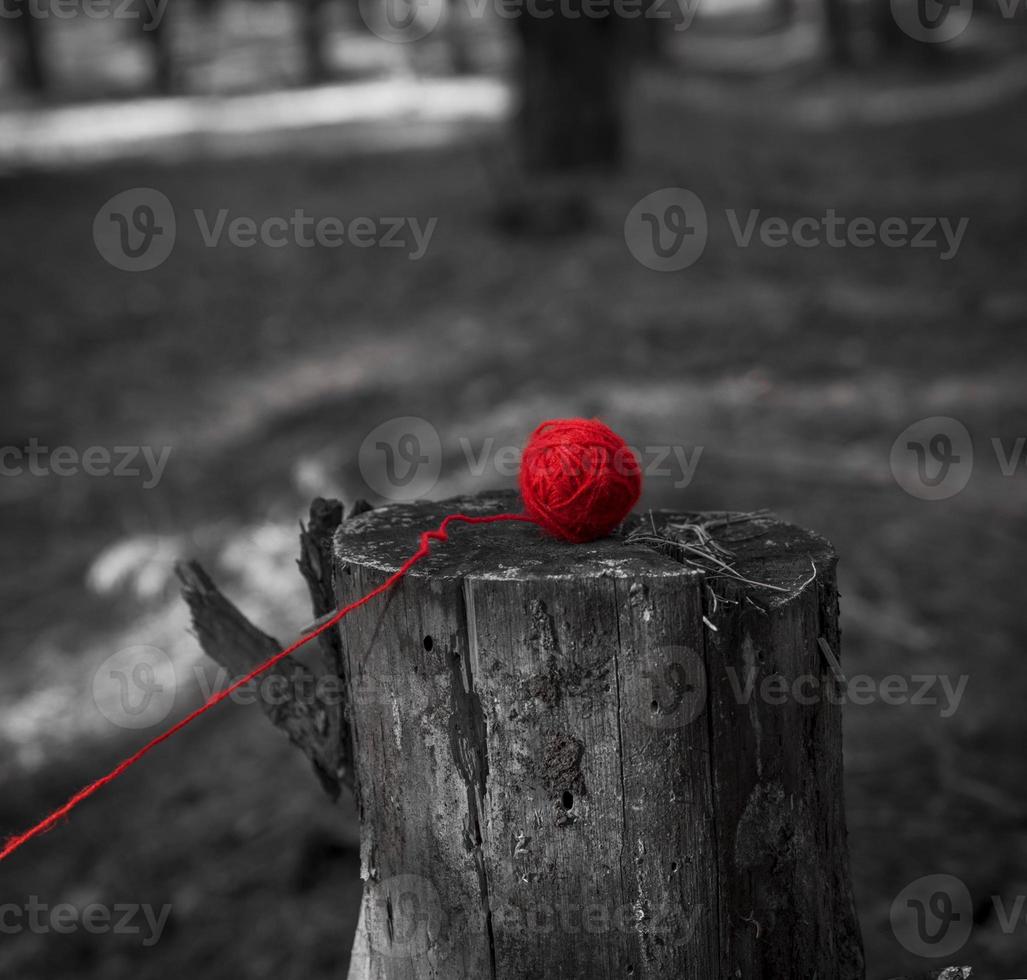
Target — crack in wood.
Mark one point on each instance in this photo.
(469, 743)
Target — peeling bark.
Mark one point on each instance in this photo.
(312, 715)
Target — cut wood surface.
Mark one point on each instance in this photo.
(575, 761)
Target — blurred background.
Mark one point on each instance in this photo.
(256, 251)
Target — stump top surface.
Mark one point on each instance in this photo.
(762, 547)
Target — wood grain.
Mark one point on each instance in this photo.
(559, 772)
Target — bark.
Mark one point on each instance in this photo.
(557, 776)
(311, 714)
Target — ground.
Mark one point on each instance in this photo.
(264, 369)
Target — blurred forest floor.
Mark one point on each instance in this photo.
(263, 369)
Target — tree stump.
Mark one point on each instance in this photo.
(559, 774)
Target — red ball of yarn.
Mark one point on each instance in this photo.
(578, 478)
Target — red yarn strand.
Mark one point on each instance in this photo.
(439, 534)
(579, 480)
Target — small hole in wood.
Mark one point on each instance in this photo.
(567, 800)
(429, 644)
(673, 866)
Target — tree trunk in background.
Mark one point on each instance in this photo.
(458, 31)
(32, 64)
(315, 62)
(571, 80)
(159, 38)
(839, 40)
(646, 39)
(556, 774)
(786, 11)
